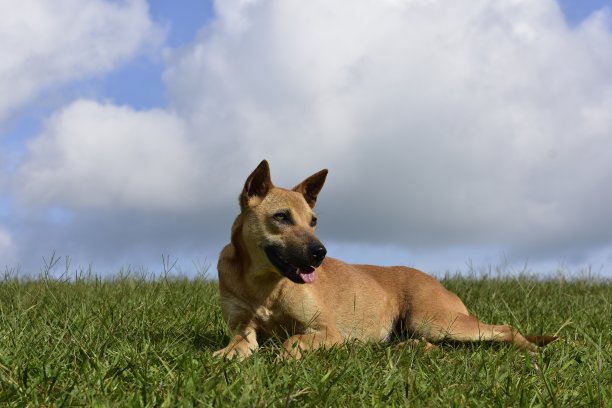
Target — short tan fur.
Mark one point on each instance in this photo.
(275, 279)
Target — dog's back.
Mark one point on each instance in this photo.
(275, 278)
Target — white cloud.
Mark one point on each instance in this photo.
(46, 43)
(443, 123)
(93, 155)
(7, 244)
(480, 124)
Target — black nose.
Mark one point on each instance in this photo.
(317, 254)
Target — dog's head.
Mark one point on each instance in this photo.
(278, 225)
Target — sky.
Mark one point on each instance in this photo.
(459, 136)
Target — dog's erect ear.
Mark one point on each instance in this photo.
(311, 186)
(256, 187)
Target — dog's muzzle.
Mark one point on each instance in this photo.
(299, 268)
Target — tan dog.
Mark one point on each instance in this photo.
(274, 279)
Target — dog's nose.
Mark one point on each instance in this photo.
(317, 253)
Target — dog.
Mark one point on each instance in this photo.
(276, 280)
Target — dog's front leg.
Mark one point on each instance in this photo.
(295, 345)
(241, 346)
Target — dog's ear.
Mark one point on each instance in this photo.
(311, 187)
(256, 186)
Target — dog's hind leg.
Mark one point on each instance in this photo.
(465, 328)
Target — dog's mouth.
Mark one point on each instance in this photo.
(297, 274)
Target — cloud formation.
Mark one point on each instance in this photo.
(444, 125)
(45, 44)
(468, 123)
(93, 155)
(7, 246)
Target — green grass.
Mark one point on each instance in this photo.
(134, 341)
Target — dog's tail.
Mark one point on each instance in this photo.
(541, 340)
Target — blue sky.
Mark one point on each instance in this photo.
(142, 151)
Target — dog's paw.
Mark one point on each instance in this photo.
(421, 344)
(231, 353)
(292, 350)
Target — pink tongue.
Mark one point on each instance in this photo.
(307, 274)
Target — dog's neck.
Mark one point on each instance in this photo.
(240, 253)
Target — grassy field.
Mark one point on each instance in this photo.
(135, 341)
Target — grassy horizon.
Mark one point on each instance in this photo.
(137, 341)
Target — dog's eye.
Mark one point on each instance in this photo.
(313, 222)
(283, 217)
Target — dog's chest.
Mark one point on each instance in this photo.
(274, 322)
(264, 314)
(274, 319)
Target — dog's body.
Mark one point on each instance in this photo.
(274, 279)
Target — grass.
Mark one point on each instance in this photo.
(136, 341)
